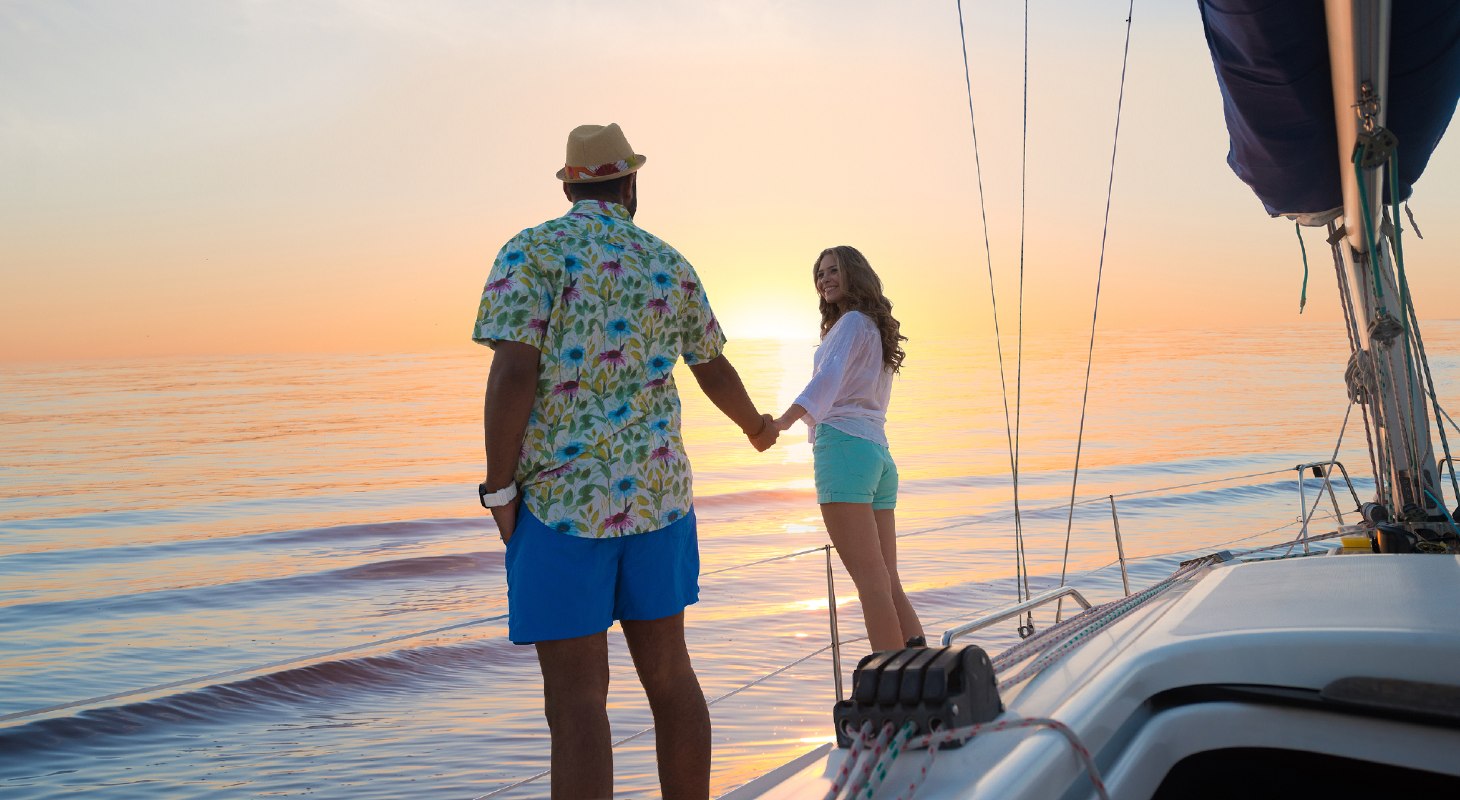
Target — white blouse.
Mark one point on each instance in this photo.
(850, 387)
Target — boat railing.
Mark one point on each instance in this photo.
(1009, 612)
(1450, 463)
(1321, 470)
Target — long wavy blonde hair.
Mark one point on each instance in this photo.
(863, 290)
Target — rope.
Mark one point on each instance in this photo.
(873, 755)
(1094, 317)
(1448, 517)
(993, 296)
(1412, 223)
(884, 761)
(1406, 304)
(241, 670)
(1351, 327)
(933, 741)
(1357, 159)
(1302, 299)
(862, 741)
(1407, 434)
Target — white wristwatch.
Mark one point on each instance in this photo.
(499, 498)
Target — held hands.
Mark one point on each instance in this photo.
(772, 427)
(762, 439)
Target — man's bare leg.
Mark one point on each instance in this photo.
(575, 694)
(681, 718)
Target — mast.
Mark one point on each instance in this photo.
(1385, 368)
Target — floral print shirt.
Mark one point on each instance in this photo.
(611, 308)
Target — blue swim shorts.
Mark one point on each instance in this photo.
(850, 469)
(561, 586)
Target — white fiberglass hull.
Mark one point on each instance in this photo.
(1167, 681)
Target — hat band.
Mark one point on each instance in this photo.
(571, 172)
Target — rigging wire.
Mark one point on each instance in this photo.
(1328, 471)
(1412, 317)
(1095, 315)
(1028, 627)
(1019, 580)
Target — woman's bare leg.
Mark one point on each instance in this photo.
(854, 533)
(907, 618)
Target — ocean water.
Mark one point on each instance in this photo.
(269, 576)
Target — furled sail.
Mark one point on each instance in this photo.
(1271, 59)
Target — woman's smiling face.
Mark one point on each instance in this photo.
(830, 283)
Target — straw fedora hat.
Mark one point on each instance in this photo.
(598, 153)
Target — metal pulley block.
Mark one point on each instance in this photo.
(1385, 328)
(1377, 146)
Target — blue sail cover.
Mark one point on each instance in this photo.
(1271, 58)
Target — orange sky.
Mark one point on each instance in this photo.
(262, 177)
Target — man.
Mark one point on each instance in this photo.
(587, 477)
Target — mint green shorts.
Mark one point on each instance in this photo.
(850, 469)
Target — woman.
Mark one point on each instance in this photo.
(845, 408)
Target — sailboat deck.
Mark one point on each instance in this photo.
(1168, 680)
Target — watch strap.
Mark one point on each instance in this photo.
(499, 498)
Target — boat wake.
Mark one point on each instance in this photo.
(400, 672)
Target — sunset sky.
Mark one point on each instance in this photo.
(254, 177)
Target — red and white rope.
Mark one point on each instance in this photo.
(862, 741)
(933, 741)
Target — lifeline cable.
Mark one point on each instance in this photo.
(498, 618)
